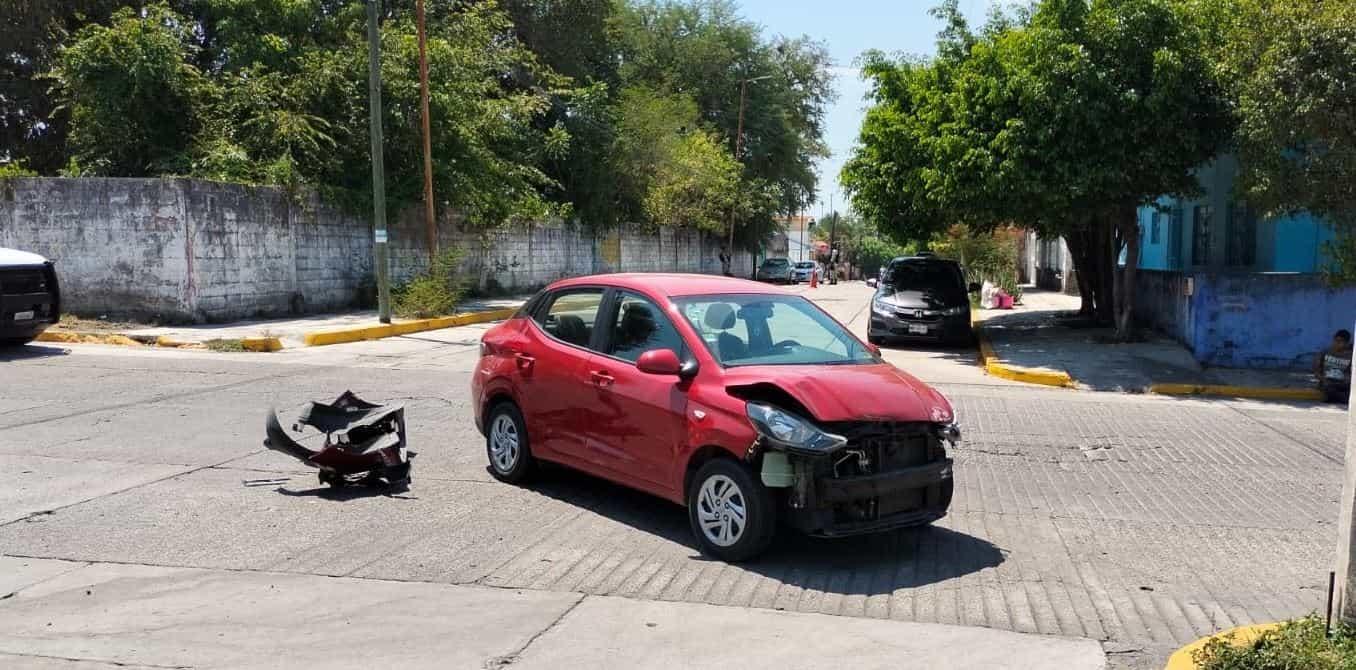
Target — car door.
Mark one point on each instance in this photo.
(637, 419)
(552, 363)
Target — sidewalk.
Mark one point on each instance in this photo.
(292, 332)
(1038, 334)
(67, 614)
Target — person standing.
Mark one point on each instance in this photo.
(1332, 368)
(725, 261)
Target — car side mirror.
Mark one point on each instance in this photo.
(659, 362)
(973, 287)
(875, 350)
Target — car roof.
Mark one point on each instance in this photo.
(670, 284)
(922, 259)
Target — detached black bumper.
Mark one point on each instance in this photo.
(841, 506)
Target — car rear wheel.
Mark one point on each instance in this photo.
(507, 444)
(733, 515)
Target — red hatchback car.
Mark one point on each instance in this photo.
(747, 404)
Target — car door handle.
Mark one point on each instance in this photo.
(524, 361)
(602, 378)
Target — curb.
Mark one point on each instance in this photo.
(1242, 635)
(261, 344)
(1016, 373)
(69, 337)
(1224, 390)
(320, 338)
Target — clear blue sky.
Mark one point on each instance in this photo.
(850, 27)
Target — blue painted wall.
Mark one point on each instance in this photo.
(1245, 320)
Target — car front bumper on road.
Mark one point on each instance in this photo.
(30, 301)
(920, 325)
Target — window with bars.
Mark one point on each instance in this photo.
(1202, 220)
(1242, 250)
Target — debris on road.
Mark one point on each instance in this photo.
(364, 443)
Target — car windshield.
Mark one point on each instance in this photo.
(775, 262)
(938, 279)
(771, 330)
(805, 264)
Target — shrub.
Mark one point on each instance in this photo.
(434, 292)
(1296, 645)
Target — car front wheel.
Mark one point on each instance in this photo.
(507, 445)
(733, 515)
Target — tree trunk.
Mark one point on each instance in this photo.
(1078, 251)
(1127, 224)
(1104, 251)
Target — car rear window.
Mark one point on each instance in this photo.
(775, 261)
(940, 278)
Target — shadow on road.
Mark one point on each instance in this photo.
(346, 493)
(31, 351)
(868, 565)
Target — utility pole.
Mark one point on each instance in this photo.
(378, 169)
(739, 143)
(833, 250)
(1344, 594)
(430, 222)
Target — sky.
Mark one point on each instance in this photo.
(849, 27)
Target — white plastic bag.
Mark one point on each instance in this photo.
(987, 296)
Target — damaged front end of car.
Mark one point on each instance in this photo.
(851, 477)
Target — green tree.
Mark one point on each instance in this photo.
(1290, 67)
(135, 99)
(1064, 120)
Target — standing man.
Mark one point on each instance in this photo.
(725, 261)
(1332, 367)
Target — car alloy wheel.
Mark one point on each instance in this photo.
(722, 511)
(504, 443)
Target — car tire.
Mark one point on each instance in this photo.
(507, 446)
(716, 528)
(15, 341)
(876, 340)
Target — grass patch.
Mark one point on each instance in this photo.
(1296, 645)
(435, 292)
(221, 344)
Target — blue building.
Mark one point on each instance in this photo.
(1237, 289)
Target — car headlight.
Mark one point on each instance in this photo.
(790, 431)
(879, 306)
(953, 311)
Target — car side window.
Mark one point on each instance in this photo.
(570, 316)
(640, 326)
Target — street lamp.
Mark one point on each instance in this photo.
(739, 136)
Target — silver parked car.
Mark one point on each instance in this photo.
(777, 270)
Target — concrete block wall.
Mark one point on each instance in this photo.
(191, 250)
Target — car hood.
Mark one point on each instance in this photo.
(912, 299)
(16, 257)
(875, 392)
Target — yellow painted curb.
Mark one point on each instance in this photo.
(1017, 373)
(1242, 635)
(69, 337)
(320, 338)
(261, 344)
(1258, 392)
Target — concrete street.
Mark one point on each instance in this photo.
(146, 524)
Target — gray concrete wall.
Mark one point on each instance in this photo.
(204, 251)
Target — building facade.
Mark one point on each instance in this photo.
(1237, 289)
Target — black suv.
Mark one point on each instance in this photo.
(922, 298)
(29, 298)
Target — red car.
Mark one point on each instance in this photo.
(747, 404)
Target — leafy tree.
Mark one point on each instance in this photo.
(1065, 120)
(1289, 67)
(134, 98)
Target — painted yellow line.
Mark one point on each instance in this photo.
(261, 344)
(320, 338)
(69, 337)
(1242, 635)
(1258, 392)
(1017, 373)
